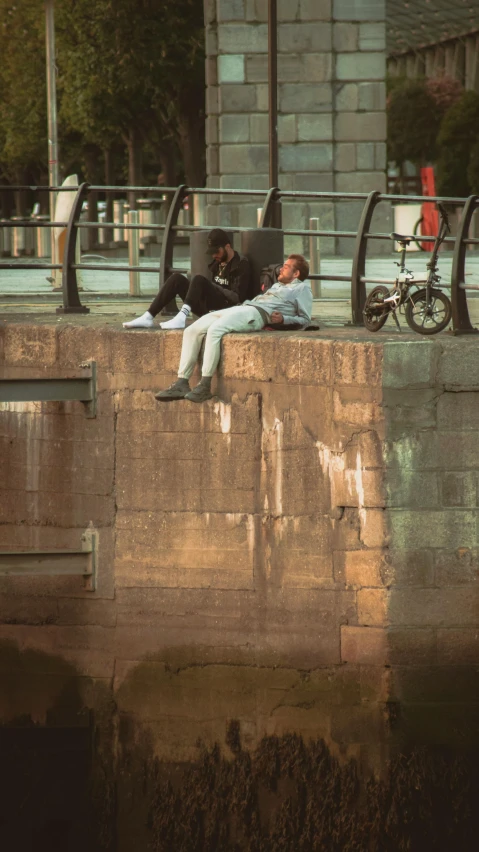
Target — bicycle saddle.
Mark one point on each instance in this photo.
(401, 239)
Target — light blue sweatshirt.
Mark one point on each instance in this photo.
(294, 301)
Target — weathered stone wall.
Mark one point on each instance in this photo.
(299, 554)
(331, 105)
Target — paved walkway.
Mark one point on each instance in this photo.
(107, 293)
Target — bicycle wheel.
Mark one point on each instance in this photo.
(417, 237)
(428, 318)
(375, 312)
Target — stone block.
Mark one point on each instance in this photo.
(360, 66)
(29, 345)
(306, 157)
(290, 68)
(372, 36)
(233, 97)
(231, 10)
(315, 128)
(408, 568)
(359, 10)
(372, 607)
(459, 411)
(458, 646)
(211, 130)
(360, 406)
(304, 38)
(288, 10)
(305, 97)
(365, 646)
(360, 182)
(380, 155)
(257, 10)
(357, 364)
(211, 71)
(358, 487)
(259, 128)
(256, 68)
(360, 127)
(434, 450)
(315, 10)
(347, 97)
(233, 129)
(243, 38)
(451, 606)
(458, 367)
(212, 103)
(211, 42)
(212, 160)
(449, 528)
(374, 528)
(459, 489)
(457, 568)
(361, 568)
(317, 67)
(361, 724)
(437, 684)
(286, 129)
(345, 156)
(345, 37)
(365, 157)
(411, 646)
(209, 8)
(243, 159)
(231, 68)
(372, 96)
(407, 491)
(410, 365)
(262, 97)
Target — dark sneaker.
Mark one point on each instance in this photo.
(177, 390)
(199, 394)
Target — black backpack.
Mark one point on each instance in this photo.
(268, 276)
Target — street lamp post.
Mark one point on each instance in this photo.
(273, 107)
(53, 176)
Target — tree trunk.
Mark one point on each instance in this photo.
(134, 164)
(191, 136)
(108, 158)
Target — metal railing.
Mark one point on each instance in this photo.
(272, 198)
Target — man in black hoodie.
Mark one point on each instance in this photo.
(229, 285)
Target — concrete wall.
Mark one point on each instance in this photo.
(299, 554)
(331, 103)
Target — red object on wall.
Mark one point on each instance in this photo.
(430, 216)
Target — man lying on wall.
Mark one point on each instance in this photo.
(288, 303)
(230, 278)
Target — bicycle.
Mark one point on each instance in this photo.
(427, 310)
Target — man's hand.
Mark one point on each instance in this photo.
(276, 317)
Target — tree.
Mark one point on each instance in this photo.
(126, 67)
(413, 123)
(457, 137)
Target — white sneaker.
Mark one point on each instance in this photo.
(145, 321)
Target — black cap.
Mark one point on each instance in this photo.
(217, 238)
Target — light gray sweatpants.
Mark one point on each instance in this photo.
(240, 318)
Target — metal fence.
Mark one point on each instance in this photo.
(271, 201)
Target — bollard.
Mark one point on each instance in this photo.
(314, 258)
(199, 209)
(19, 247)
(134, 253)
(43, 238)
(118, 232)
(259, 211)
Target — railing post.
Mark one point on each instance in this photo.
(166, 263)
(461, 323)
(71, 299)
(271, 214)
(134, 253)
(358, 287)
(314, 258)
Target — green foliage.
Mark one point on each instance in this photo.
(413, 122)
(457, 138)
(23, 119)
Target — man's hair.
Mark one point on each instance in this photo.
(301, 265)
